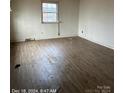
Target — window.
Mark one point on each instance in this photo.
(49, 12)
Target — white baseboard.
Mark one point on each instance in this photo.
(53, 37)
(67, 36)
(105, 45)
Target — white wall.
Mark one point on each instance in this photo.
(96, 19)
(69, 14)
(26, 20)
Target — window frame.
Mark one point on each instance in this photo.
(57, 14)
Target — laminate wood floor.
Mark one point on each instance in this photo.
(70, 65)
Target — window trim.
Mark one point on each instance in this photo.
(54, 2)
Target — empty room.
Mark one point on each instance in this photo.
(62, 46)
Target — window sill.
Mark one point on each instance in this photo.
(50, 22)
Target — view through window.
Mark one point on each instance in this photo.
(49, 12)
